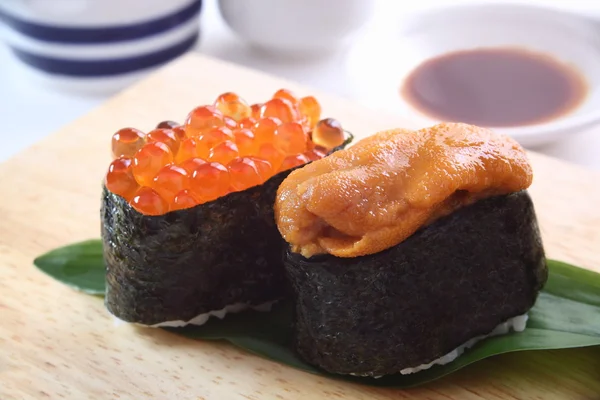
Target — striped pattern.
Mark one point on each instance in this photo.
(103, 51)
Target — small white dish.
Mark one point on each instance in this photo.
(567, 37)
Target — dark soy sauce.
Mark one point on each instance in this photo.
(499, 87)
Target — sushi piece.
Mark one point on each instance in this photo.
(409, 247)
(187, 210)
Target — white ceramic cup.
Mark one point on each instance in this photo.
(98, 44)
(296, 26)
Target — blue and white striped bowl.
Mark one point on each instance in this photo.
(98, 44)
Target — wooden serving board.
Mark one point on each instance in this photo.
(56, 343)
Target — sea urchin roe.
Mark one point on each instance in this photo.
(377, 193)
(127, 141)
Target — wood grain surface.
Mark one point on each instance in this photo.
(56, 343)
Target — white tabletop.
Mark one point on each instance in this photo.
(30, 112)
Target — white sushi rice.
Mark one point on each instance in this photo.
(517, 324)
(201, 319)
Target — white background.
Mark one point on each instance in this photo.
(29, 112)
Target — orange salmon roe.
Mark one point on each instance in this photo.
(264, 168)
(270, 153)
(167, 125)
(232, 105)
(279, 108)
(290, 138)
(224, 152)
(230, 123)
(120, 180)
(191, 164)
(264, 130)
(184, 199)
(209, 181)
(243, 174)
(244, 138)
(203, 119)
(247, 123)
(169, 181)
(212, 138)
(255, 110)
(149, 160)
(287, 95)
(293, 161)
(166, 136)
(310, 109)
(126, 142)
(179, 132)
(220, 148)
(187, 149)
(216, 136)
(147, 201)
(227, 97)
(315, 154)
(328, 133)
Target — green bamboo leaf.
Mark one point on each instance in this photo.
(79, 265)
(566, 315)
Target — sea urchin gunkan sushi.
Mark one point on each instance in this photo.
(409, 247)
(187, 211)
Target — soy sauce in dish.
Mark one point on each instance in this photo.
(497, 87)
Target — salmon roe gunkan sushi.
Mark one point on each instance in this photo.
(223, 147)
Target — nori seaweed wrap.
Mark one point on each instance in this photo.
(387, 281)
(453, 280)
(186, 263)
(182, 266)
